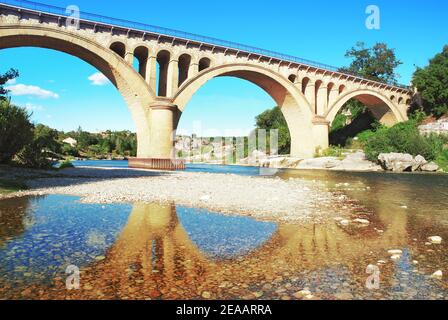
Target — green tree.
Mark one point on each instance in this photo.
(432, 84)
(377, 63)
(15, 130)
(274, 119)
(9, 75)
(47, 138)
(43, 146)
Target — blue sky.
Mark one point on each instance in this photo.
(63, 96)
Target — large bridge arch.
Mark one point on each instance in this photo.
(382, 107)
(295, 107)
(128, 82)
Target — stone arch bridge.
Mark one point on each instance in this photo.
(129, 54)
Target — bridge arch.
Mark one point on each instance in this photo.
(295, 107)
(128, 82)
(383, 108)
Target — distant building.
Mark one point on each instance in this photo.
(438, 127)
(72, 142)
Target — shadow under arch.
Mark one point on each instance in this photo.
(381, 107)
(128, 82)
(293, 104)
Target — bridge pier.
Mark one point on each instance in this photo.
(162, 134)
(321, 131)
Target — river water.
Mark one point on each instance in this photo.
(149, 251)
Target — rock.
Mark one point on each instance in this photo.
(344, 222)
(258, 294)
(395, 252)
(302, 294)
(362, 221)
(396, 162)
(343, 296)
(395, 257)
(206, 295)
(430, 167)
(419, 161)
(435, 239)
(437, 275)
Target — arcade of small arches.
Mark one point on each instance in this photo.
(157, 76)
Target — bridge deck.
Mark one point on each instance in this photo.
(130, 27)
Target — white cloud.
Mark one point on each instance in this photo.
(27, 90)
(98, 79)
(11, 82)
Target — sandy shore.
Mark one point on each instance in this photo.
(262, 197)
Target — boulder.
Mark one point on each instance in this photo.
(396, 162)
(430, 167)
(419, 161)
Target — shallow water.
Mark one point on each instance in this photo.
(143, 251)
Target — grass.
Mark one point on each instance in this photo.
(9, 186)
(332, 151)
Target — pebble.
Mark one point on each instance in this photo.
(395, 257)
(302, 293)
(362, 221)
(437, 275)
(206, 295)
(435, 239)
(395, 252)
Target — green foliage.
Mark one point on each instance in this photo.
(442, 160)
(65, 165)
(9, 75)
(273, 119)
(402, 138)
(332, 151)
(377, 63)
(15, 130)
(432, 84)
(8, 186)
(123, 143)
(68, 150)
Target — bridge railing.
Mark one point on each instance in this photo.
(46, 8)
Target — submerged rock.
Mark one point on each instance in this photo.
(435, 239)
(395, 252)
(437, 275)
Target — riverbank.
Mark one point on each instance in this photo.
(266, 198)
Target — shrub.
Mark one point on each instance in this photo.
(402, 138)
(15, 130)
(332, 151)
(34, 156)
(442, 160)
(65, 165)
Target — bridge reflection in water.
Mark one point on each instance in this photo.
(169, 252)
(154, 257)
